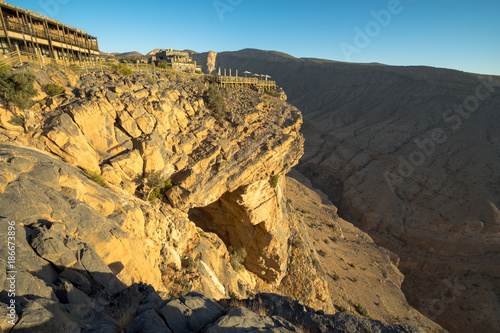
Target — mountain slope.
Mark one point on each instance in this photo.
(411, 154)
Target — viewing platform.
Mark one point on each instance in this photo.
(236, 80)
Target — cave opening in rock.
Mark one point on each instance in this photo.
(234, 223)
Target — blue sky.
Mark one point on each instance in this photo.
(458, 34)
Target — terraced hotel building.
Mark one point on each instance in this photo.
(30, 32)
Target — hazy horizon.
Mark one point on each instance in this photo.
(457, 35)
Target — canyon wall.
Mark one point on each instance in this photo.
(411, 156)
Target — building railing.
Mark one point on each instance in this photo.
(10, 60)
(17, 58)
(54, 36)
(182, 62)
(176, 53)
(18, 27)
(244, 80)
(40, 33)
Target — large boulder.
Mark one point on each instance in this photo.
(191, 313)
(242, 320)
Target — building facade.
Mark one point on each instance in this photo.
(30, 32)
(178, 60)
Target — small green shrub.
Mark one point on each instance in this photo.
(55, 66)
(161, 189)
(163, 65)
(185, 286)
(189, 264)
(316, 264)
(274, 180)
(201, 86)
(17, 121)
(74, 67)
(121, 69)
(17, 88)
(335, 277)
(96, 177)
(237, 257)
(359, 309)
(53, 89)
(216, 102)
(150, 79)
(297, 244)
(159, 185)
(343, 309)
(270, 92)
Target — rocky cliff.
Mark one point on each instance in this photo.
(127, 192)
(411, 155)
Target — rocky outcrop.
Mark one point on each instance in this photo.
(79, 274)
(211, 57)
(295, 312)
(134, 128)
(130, 134)
(75, 223)
(78, 244)
(130, 191)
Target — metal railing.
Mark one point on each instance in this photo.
(244, 80)
(10, 60)
(65, 38)
(17, 58)
(18, 27)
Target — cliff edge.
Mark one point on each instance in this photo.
(133, 190)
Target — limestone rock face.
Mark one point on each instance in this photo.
(256, 210)
(127, 191)
(132, 130)
(211, 58)
(83, 219)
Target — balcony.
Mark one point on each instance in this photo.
(18, 27)
(39, 33)
(55, 36)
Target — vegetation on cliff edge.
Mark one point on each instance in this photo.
(216, 102)
(17, 88)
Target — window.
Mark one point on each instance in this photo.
(45, 50)
(4, 45)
